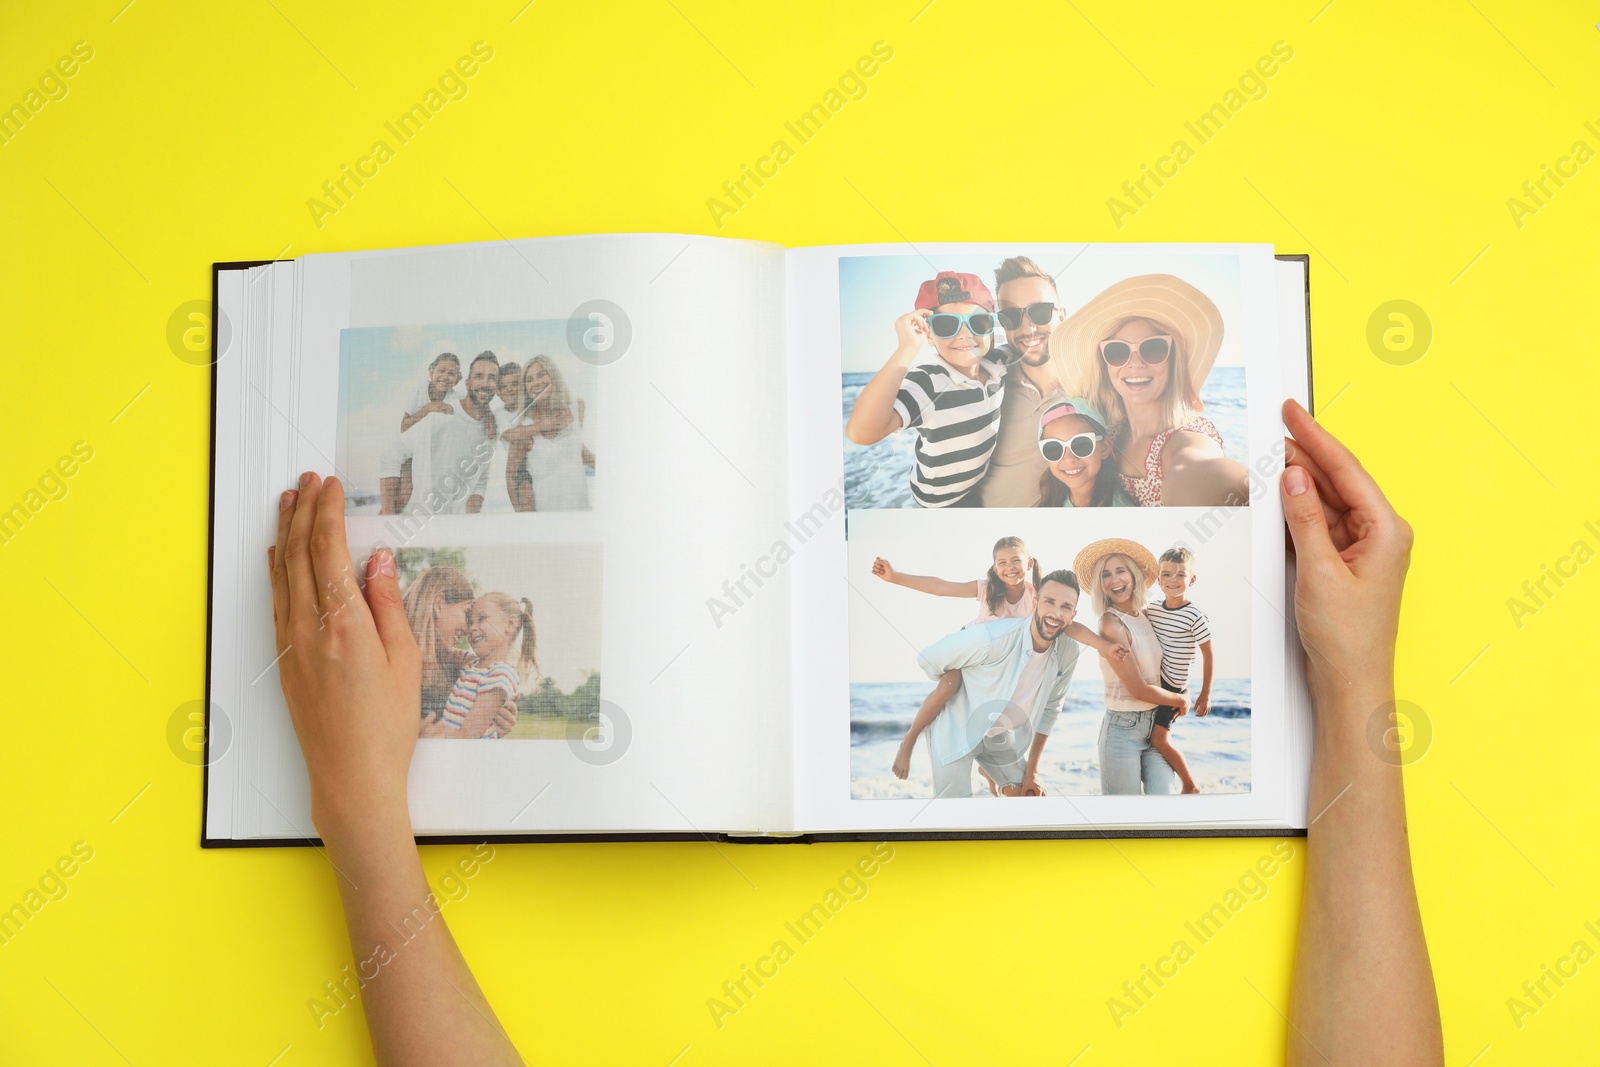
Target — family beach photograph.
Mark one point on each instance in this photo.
(510, 639)
(1019, 382)
(970, 655)
(476, 418)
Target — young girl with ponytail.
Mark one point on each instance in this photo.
(489, 682)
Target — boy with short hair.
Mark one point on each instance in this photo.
(1181, 628)
(952, 400)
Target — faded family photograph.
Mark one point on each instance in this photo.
(1030, 654)
(1019, 381)
(510, 639)
(477, 418)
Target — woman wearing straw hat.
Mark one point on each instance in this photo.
(1140, 352)
(1116, 572)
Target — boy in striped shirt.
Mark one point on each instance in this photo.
(952, 400)
(1180, 628)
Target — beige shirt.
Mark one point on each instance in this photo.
(1016, 465)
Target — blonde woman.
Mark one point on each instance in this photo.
(1140, 351)
(546, 465)
(1116, 572)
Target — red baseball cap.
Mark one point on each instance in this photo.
(952, 288)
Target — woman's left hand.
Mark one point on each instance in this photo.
(349, 665)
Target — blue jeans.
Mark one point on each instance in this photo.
(1127, 760)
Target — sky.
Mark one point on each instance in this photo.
(889, 624)
(876, 290)
(380, 366)
(563, 581)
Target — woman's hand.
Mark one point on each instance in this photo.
(883, 569)
(1352, 552)
(350, 667)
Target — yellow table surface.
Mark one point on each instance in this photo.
(1389, 146)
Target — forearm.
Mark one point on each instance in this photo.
(924, 583)
(1085, 636)
(409, 420)
(1363, 987)
(873, 418)
(422, 1004)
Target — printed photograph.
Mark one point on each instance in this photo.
(1019, 381)
(510, 639)
(479, 418)
(1038, 654)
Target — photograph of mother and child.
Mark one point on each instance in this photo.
(1170, 711)
(510, 639)
(489, 418)
(1098, 385)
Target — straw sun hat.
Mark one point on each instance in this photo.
(1188, 313)
(1087, 565)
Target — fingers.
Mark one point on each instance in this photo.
(1345, 473)
(276, 556)
(337, 590)
(1302, 512)
(387, 607)
(1297, 456)
(294, 550)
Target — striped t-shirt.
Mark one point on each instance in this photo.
(1179, 631)
(957, 420)
(474, 681)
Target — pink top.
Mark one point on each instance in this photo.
(1146, 488)
(1007, 610)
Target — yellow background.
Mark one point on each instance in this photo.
(1387, 148)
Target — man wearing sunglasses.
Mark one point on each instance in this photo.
(952, 400)
(1028, 312)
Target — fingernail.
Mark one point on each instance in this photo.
(305, 479)
(286, 501)
(1295, 480)
(380, 562)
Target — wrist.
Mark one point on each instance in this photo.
(350, 814)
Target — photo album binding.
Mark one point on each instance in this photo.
(705, 538)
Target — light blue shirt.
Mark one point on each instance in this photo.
(990, 657)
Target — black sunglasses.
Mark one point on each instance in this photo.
(1038, 314)
(1152, 350)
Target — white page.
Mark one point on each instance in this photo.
(688, 432)
(822, 652)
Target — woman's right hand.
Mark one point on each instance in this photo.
(882, 569)
(1352, 553)
(349, 665)
(911, 329)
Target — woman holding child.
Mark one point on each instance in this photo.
(1139, 352)
(439, 608)
(1117, 572)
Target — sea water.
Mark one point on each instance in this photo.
(879, 476)
(1217, 747)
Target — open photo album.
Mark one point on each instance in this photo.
(707, 538)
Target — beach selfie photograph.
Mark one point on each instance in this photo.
(948, 373)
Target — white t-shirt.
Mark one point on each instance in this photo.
(1028, 682)
(451, 458)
